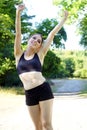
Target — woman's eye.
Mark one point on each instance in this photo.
(34, 38)
(38, 40)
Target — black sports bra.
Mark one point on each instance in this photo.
(29, 65)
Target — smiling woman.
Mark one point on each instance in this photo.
(38, 93)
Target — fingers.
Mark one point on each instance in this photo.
(20, 7)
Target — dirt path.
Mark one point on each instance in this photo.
(69, 113)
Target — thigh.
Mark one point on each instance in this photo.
(34, 112)
(46, 110)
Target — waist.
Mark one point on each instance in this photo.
(30, 75)
(31, 79)
(44, 84)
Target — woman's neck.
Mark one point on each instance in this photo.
(29, 52)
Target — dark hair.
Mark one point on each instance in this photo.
(36, 34)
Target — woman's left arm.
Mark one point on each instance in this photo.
(51, 35)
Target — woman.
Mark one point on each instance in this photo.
(39, 97)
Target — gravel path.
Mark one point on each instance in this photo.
(69, 113)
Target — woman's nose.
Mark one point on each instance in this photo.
(35, 40)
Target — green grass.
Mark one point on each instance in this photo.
(12, 90)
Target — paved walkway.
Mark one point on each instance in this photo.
(69, 86)
(69, 113)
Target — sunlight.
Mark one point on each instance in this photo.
(41, 8)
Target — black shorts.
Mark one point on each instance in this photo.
(39, 93)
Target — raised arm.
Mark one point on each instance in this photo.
(53, 32)
(17, 46)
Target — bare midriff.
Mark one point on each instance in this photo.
(31, 79)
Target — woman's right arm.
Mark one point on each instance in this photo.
(53, 32)
(17, 45)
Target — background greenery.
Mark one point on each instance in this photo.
(58, 62)
(77, 15)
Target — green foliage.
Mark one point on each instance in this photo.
(16, 90)
(69, 66)
(7, 33)
(73, 64)
(77, 14)
(83, 31)
(82, 73)
(75, 7)
(81, 65)
(8, 74)
(6, 65)
(50, 67)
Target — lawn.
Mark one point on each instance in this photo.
(12, 90)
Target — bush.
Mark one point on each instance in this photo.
(81, 73)
(51, 64)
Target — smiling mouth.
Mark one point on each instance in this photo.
(33, 45)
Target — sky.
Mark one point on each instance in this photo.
(44, 9)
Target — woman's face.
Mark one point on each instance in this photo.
(35, 41)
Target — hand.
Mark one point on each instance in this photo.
(21, 7)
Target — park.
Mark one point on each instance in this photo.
(64, 69)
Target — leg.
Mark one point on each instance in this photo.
(36, 116)
(46, 114)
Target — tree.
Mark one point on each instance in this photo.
(83, 31)
(7, 33)
(77, 14)
(51, 65)
(70, 66)
(76, 8)
(46, 26)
